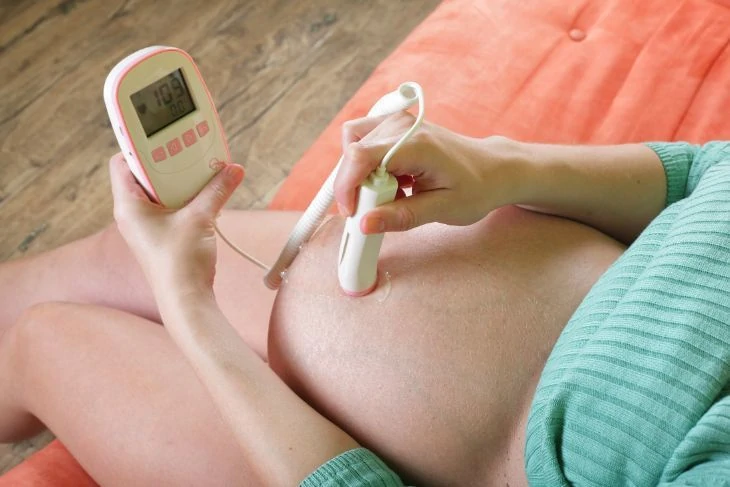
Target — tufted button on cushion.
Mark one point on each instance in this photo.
(654, 70)
(577, 35)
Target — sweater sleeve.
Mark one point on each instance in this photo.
(685, 164)
(354, 468)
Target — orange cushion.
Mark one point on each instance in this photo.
(51, 466)
(592, 71)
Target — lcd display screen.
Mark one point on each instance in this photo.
(163, 102)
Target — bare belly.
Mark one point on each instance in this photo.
(436, 373)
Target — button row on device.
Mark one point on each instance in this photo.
(189, 138)
(202, 128)
(174, 146)
(159, 155)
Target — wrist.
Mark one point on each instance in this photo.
(191, 319)
(182, 295)
(516, 167)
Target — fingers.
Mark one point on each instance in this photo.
(211, 200)
(367, 140)
(128, 194)
(123, 182)
(358, 162)
(405, 213)
(125, 189)
(355, 130)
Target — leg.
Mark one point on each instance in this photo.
(118, 393)
(438, 375)
(100, 270)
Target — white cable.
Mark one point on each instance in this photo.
(417, 93)
(303, 230)
(401, 99)
(240, 251)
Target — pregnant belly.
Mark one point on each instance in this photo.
(435, 370)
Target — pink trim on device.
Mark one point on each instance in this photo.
(124, 125)
(118, 83)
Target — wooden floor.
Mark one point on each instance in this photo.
(278, 71)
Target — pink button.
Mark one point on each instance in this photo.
(174, 146)
(159, 154)
(577, 35)
(189, 138)
(202, 128)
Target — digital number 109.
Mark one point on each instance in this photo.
(164, 96)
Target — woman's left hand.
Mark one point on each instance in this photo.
(175, 248)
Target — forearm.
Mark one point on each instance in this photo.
(280, 435)
(616, 189)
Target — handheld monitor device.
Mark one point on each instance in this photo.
(165, 122)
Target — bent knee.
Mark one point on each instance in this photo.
(34, 321)
(41, 328)
(22, 343)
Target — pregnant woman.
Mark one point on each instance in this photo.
(512, 335)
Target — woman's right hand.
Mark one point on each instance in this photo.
(455, 179)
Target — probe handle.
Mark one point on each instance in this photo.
(395, 101)
(358, 257)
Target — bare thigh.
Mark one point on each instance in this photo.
(437, 373)
(121, 397)
(101, 270)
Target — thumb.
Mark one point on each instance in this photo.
(405, 213)
(213, 197)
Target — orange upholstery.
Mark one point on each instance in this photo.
(592, 71)
(51, 466)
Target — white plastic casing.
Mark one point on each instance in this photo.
(201, 141)
(357, 266)
(358, 260)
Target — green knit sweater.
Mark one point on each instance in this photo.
(354, 468)
(635, 391)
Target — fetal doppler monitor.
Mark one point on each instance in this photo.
(165, 122)
(168, 129)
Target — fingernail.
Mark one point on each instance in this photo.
(374, 225)
(342, 209)
(233, 170)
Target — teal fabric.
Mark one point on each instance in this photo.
(353, 468)
(635, 391)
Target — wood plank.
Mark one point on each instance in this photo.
(12, 455)
(18, 19)
(279, 71)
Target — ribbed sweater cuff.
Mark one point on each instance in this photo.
(677, 160)
(353, 468)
